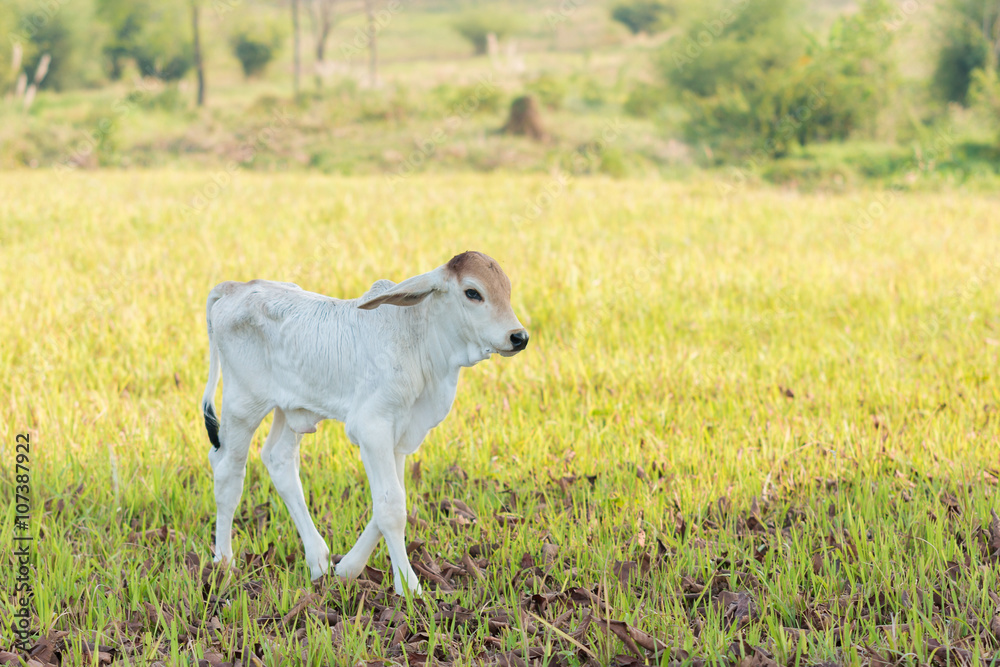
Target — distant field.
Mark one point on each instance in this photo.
(755, 426)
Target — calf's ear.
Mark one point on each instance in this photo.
(410, 292)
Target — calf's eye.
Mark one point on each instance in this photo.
(473, 294)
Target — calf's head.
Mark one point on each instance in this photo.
(473, 297)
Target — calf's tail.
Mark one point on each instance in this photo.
(214, 371)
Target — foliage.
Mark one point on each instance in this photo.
(126, 20)
(468, 99)
(255, 44)
(984, 96)
(751, 81)
(66, 32)
(169, 99)
(8, 23)
(166, 50)
(963, 51)
(170, 66)
(590, 89)
(155, 35)
(735, 76)
(648, 16)
(475, 25)
(549, 89)
(855, 72)
(393, 103)
(644, 100)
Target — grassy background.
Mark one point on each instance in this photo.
(757, 379)
(572, 54)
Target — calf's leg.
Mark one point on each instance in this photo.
(281, 456)
(354, 562)
(229, 463)
(374, 437)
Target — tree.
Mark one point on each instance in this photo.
(324, 15)
(752, 81)
(970, 40)
(648, 16)
(146, 32)
(68, 33)
(11, 52)
(476, 25)
(255, 45)
(373, 29)
(164, 50)
(984, 96)
(199, 64)
(296, 54)
(55, 40)
(125, 20)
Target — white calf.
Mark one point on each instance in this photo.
(389, 374)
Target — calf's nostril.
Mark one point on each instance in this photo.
(519, 340)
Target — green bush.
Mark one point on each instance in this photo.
(67, 36)
(648, 16)
(984, 96)
(613, 163)
(155, 35)
(963, 51)
(168, 99)
(166, 66)
(388, 104)
(752, 82)
(591, 91)
(255, 45)
(548, 89)
(969, 39)
(468, 99)
(475, 25)
(644, 100)
(125, 20)
(8, 21)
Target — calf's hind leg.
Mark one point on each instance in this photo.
(281, 456)
(229, 465)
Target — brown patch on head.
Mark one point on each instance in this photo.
(485, 271)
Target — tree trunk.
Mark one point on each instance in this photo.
(372, 44)
(322, 17)
(321, 43)
(321, 37)
(297, 66)
(199, 65)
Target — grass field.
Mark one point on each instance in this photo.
(755, 427)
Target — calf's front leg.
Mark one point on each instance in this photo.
(388, 503)
(351, 565)
(354, 562)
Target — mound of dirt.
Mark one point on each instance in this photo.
(525, 120)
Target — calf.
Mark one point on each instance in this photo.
(385, 364)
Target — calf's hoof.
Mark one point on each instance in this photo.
(349, 569)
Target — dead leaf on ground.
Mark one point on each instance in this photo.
(737, 608)
(944, 655)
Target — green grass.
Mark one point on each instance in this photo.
(787, 417)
